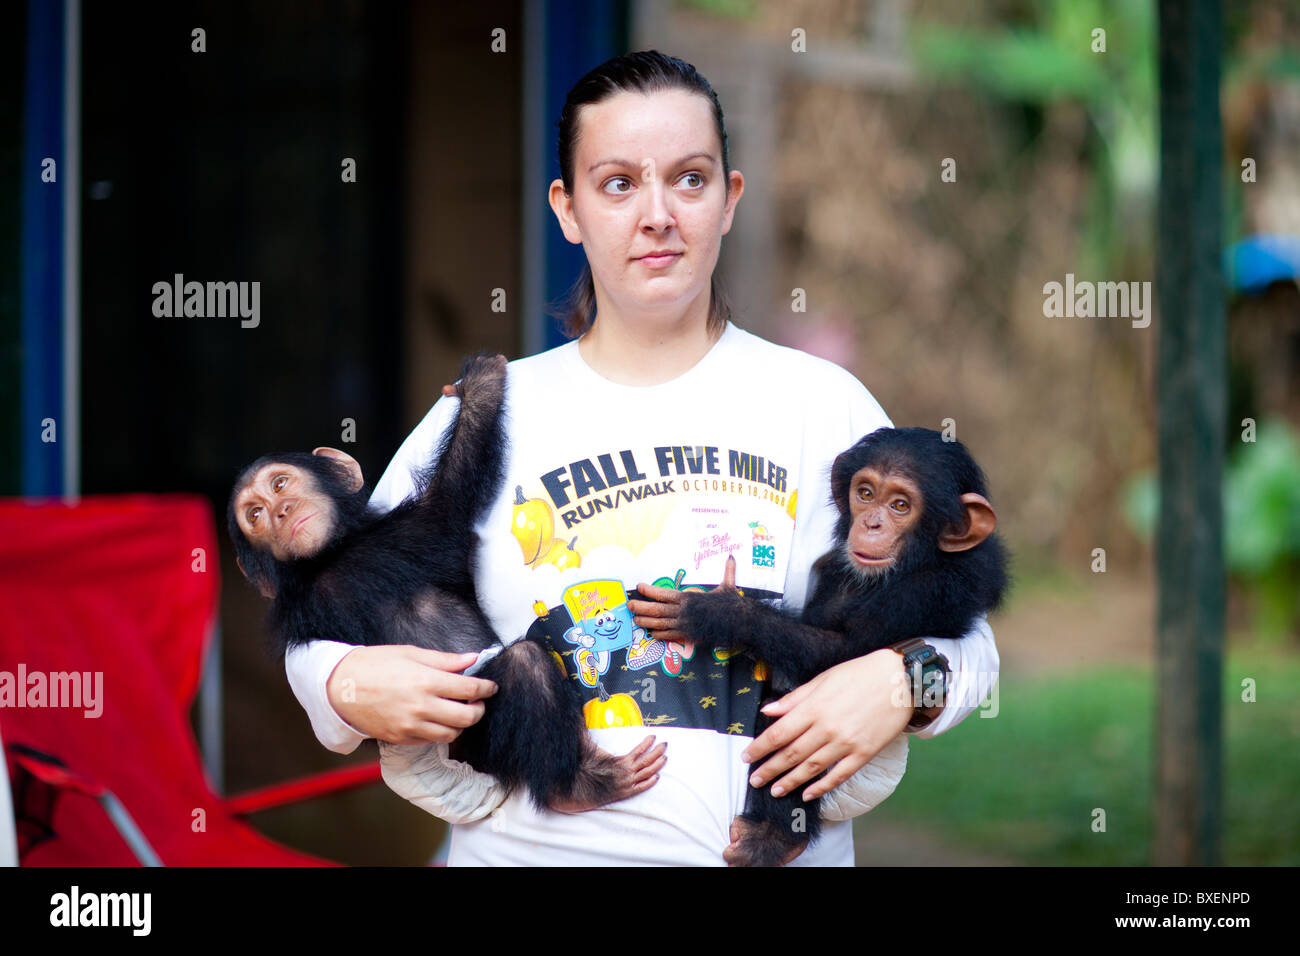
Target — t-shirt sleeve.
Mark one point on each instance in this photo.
(398, 481)
(869, 786)
(308, 667)
(865, 415)
(974, 663)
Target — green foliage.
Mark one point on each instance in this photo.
(1261, 507)
(734, 9)
(1024, 785)
(1051, 60)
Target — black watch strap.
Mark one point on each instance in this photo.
(929, 671)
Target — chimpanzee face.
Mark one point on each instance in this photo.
(885, 507)
(282, 509)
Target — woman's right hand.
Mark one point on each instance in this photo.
(407, 695)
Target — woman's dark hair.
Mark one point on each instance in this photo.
(644, 72)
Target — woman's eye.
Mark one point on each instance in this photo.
(696, 184)
(612, 187)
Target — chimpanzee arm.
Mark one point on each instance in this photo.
(795, 650)
(931, 603)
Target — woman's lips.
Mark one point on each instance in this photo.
(659, 262)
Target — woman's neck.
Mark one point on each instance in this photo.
(646, 352)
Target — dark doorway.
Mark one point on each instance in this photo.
(225, 165)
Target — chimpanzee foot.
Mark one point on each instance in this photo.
(762, 843)
(605, 778)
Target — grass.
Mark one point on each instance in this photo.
(1025, 785)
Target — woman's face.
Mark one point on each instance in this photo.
(650, 203)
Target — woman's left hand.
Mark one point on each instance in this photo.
(838, 721)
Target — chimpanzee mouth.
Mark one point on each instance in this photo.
(868, 560)
(301, 521)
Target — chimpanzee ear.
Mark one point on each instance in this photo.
(262, 586)
(355, 480)
(980, 522)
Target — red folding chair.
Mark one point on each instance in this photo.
(105, 611)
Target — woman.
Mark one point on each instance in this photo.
(660, 442)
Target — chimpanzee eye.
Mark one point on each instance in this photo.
(864, 493)
(279, 482)
(252, 515)
(901, 506)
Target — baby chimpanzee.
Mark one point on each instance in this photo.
(914, 556)
(337, 570)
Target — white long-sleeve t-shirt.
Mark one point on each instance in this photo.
(609, 485)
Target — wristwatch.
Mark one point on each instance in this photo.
(929, 672)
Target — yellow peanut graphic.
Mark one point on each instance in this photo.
(532, 524)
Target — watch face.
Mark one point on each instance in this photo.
(934, 684)
(929, 672)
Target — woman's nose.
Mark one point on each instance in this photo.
(656, 197)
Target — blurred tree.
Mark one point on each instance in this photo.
(1056, 56)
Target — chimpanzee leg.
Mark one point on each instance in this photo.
(533, 734)
(532, 731)
(773, 830)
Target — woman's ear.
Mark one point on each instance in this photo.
(355, 481)
(980, 522)
(735, 188)
(562, 205)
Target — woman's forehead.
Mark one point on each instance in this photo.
(666, 125)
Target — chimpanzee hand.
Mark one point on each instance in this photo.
(837, 722)
(630, 774)
(407, 695)
(661, 614)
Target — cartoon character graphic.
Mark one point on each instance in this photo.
(604, 624)
(764, 545)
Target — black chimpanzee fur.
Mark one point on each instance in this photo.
(928, 593)
(407, 577)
